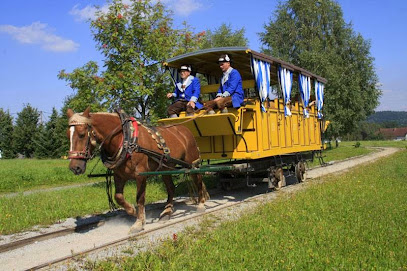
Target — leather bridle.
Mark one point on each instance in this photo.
(85, 154)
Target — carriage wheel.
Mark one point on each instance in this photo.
(300, 171)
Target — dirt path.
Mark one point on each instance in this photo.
(118, 226)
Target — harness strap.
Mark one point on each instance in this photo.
(163, 158)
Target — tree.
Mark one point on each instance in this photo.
(187, 40)
(24, 130)
(312, 34)
(6, 135)
(50, 139)
(224, 36)
(41, 142)
(134, 40)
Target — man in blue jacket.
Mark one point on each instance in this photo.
(186, 94)
(230, 93)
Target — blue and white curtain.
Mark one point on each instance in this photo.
(261, 72)
(285, 77)
(319, 92)
(305, 90)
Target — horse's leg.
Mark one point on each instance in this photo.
(141, 193)
(202, 193)
(119, 196)
(169, 207)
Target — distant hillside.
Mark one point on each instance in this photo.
(396, 117)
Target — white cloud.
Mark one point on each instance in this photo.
(186, 7)
(83, 14)
(88, 12)
(39, 33)
(180, 7)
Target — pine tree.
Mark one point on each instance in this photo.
(6, 135)
(24, 131)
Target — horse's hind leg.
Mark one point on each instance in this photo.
(202, 193)
(141, 193)
(119, 197)
(169, 207)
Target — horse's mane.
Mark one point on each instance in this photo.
(78, 118)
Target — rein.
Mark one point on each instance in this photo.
(185, 121)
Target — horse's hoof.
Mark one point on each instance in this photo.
(137, 227)
(201, 208)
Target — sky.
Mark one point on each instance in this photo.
(40, 38)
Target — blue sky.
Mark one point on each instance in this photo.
(40, 38)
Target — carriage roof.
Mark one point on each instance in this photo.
(205, 62)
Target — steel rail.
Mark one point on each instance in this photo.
(46, 236)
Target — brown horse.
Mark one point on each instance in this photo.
(86, 130)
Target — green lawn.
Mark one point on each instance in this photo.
(354, 221)
(19, 175)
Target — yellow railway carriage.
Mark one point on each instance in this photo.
(272, 129)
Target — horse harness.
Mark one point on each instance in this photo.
(128, 146)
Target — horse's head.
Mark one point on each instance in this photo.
(82, 140)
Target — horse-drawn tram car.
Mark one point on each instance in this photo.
(271, 132)
(268, 133)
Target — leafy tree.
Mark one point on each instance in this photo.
(224, 36)
(312, 34)
(187, 40)
(24, 130)
(134, 40)
(6, 135)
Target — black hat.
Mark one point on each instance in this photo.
(224, 58)
(185, 67)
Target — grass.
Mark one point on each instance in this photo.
(354, 221)
(382, 143)
(25, 174)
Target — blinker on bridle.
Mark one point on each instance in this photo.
(85, 154)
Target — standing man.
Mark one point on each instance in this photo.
(230, 91)
(186, 93)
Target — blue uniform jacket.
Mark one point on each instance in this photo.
(191, 93)
(234, 87)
